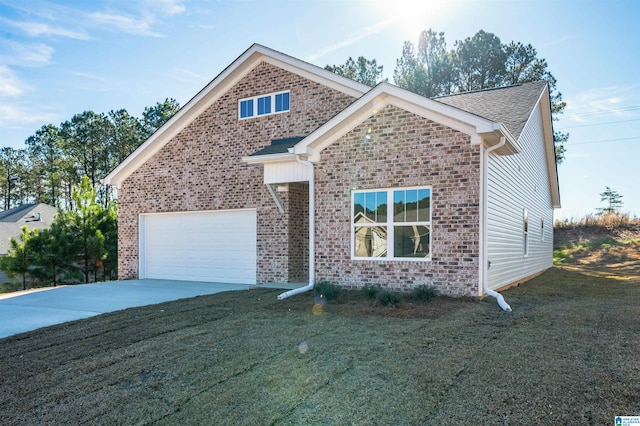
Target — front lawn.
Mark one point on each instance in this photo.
(567, 354)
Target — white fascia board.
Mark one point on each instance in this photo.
(379, 97)
(271, 158)
(315, 73)
(550, 146)
(237, 70)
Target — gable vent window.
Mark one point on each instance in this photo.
(273, 103)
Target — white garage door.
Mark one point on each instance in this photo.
(201, 246)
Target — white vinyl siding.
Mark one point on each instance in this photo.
(285, 172)
(215, 246)
(518, 183)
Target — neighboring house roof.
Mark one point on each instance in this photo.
(30, 215)
(511, 105)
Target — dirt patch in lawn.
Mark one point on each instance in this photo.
(595, 250)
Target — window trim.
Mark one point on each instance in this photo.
(389, 224)
(256, 101)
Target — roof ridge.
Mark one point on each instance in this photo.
(489, 89)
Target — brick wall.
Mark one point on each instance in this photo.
(201, 167)
(398, 149)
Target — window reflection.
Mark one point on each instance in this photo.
(411, 241)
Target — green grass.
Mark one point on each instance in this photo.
(567, 354)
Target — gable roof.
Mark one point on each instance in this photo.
(510, 105)
(238, 69)
(514, 106)
(387, 94)
(30, 215)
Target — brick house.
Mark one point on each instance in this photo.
(279, 171)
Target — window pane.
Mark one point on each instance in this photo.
(424, 204)
(358, 208)
(370, 205)
(282, 102)
(246, 108)
(381, 207)
(264, 105)
(411, 241)
(398, 206)
(370, 241)
(411, 205)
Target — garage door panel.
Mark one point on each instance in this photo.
(203, 246)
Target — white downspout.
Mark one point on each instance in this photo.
(484, 263)
(312, 234)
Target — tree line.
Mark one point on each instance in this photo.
(479, 62)
(56, 157)
(80, 245)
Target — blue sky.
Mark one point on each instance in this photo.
(59, 58)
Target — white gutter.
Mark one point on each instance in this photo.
(312, 233)
(484, 262)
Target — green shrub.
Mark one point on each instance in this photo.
(387, 297)
(424, 293)
(370, 291)
(327, 290)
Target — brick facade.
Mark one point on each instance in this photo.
(201, 169)
(393, 149)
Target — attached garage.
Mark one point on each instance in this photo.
(215, 246)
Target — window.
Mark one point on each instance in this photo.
(282, 102)
(264, 105)
(246, 108)
(525, 222)
(274, 103)
(402, 233)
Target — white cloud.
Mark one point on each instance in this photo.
(167, 7)
(14, 116)
(591, 105)
(9, 84)
(27, 54)
(36, 29)
(353, 38)
(126, 23)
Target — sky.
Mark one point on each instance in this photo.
(59, 58)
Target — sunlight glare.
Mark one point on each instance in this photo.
(411, 17)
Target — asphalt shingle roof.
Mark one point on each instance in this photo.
(30, 215)
(511, 105)
(278, 146)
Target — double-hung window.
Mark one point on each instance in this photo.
(273, 103)
(391, 224)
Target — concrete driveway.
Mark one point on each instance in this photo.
(32, 310)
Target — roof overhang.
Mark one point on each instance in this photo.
(244, 64)
(269, 159)
(478, 128)
(544, 102)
